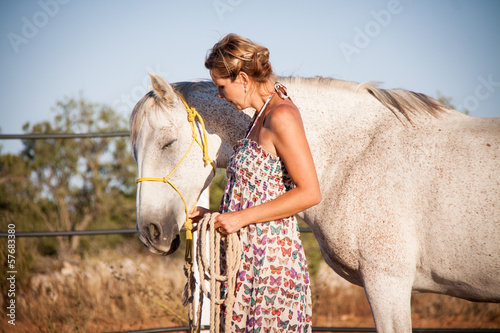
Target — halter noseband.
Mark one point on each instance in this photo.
(192, 114)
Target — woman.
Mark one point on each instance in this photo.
(271, 177)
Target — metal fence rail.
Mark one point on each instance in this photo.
(71, 233)
(38, 136)
(86, 232)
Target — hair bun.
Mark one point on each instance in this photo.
(234, 54)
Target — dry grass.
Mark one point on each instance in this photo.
(339, 303)
(115, 291)
(129, 289)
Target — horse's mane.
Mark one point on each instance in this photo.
(404, 102)
(186, 87)
(399, 101)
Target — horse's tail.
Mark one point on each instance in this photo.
(404, 102)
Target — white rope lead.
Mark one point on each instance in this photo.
(209, 269)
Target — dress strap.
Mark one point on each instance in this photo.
(259, 114)
(279, 89)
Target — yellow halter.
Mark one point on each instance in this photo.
(192, 114)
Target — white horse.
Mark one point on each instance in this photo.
(411, 189)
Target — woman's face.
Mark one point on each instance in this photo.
(232, 91)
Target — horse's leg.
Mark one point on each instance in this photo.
(389, 299)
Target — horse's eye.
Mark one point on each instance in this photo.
(168, 144)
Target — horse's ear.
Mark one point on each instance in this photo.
(162, 88)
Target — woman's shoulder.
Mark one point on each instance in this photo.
(283, 114)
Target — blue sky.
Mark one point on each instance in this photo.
(52, 49)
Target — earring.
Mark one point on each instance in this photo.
(245, 89)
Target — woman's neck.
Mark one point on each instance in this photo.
(261, 95)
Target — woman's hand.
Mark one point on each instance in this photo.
(228, 223)
(197, 214)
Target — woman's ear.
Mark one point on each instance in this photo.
(244, 79)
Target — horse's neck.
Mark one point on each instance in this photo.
(334, 119)
(225, 125)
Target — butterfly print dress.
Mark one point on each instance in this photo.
(273, 292)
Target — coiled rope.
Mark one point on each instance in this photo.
(220, 272)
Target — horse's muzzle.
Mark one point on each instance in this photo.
(156, 240)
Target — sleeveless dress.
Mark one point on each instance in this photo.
(273, 292)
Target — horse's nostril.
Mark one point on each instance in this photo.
(154, 232)
(174, 246)
(176, 242)
(159, 241)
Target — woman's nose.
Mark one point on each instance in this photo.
(221, 94)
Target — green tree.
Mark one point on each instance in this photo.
(80, 183)
(447, 101)
(15, 190)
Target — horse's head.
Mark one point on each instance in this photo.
(171, 168)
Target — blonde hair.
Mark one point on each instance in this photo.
(234, 54)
